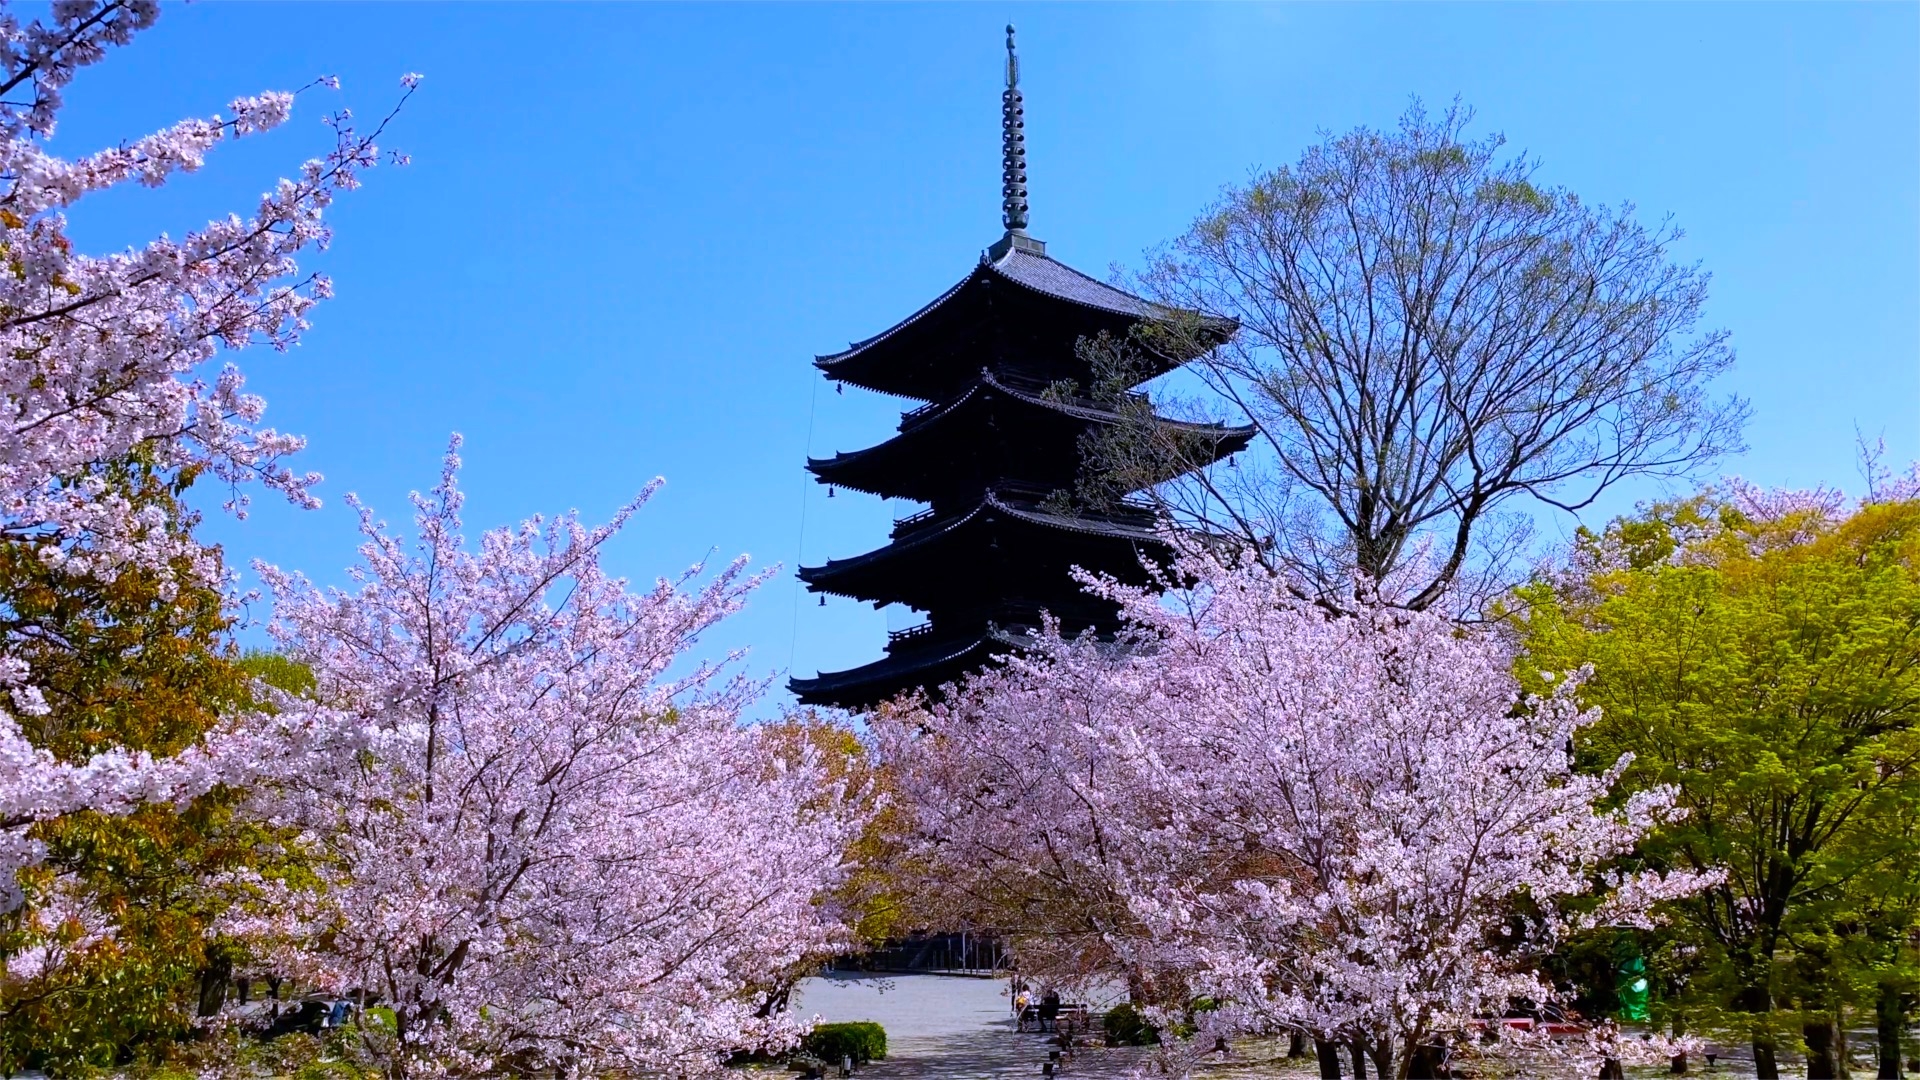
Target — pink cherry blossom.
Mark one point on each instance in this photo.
(1352, 826)
(101, 355)
(544, 833)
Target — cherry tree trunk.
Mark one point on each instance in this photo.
(213, 986)
(1425, 1063)
(1329, 1054)
(1383, 1060)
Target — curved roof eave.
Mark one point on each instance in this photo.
(1041, 276)
(817, 578)
(1066, 408)
(826, 361)
(889, 666)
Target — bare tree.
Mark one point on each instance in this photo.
(1428, 341)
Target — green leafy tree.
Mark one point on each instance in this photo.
(872, 894)
(1760, 653)
(112, 956)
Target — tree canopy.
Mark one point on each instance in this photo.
(1430, 340)
(1759, 655)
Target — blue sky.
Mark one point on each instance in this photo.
(628, 228)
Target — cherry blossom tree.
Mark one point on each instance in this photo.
(1352, 826)
(545, 837)
(102, 356)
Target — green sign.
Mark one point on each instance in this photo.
(1630, 986)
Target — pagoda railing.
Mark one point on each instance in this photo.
(1058, 392)
(910, 634)
(1031, 496)
(913, 521)
(1013, 617)
(909, 419)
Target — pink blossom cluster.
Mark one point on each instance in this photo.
(34, 786)
(1349, 825)
(100, 355)
(1762, 519)
(61, 928)
(545, 836)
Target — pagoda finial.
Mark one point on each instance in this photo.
(1013, 147)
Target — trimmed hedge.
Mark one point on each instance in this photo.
(1124, 1026)
(861, 1040)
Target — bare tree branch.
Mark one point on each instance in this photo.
(1431, 346)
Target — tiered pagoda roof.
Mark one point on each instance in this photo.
(998, 443)
(939, 451)
(1016, 304)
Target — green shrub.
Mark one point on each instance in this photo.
(329, 1070)
(1125, 1026)
(861, 1040)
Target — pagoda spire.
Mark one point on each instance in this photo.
(1013, 147)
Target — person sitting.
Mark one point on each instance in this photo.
(1049, 1010)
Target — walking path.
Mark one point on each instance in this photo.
(955, 1028)
(945, 1028)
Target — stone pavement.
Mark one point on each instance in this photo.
(948, 1028)
(957, 1028)
(945, 1028)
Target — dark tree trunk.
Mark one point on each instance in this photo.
(1296, 1045)
(1329, 1055)
(1383, 1060)
(1677, 1064)
(1757, 999)
(1359, 1048)
(273, 987)
(1819, 1034)
(1425, 1063)
(1611, 1069)
(213, 985)
(1890, 1018)
(1766, 1065)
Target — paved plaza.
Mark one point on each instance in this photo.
(944, 1027)
(951, 1028)
(956, 1028)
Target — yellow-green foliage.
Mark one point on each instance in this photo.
(871, 896)
(136, 662)
(1767, 669)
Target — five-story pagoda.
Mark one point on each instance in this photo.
(997, 360)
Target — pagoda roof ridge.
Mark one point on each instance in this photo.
(921, 418)
(1082, 407)
(1037, 273)
(1088, 525)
